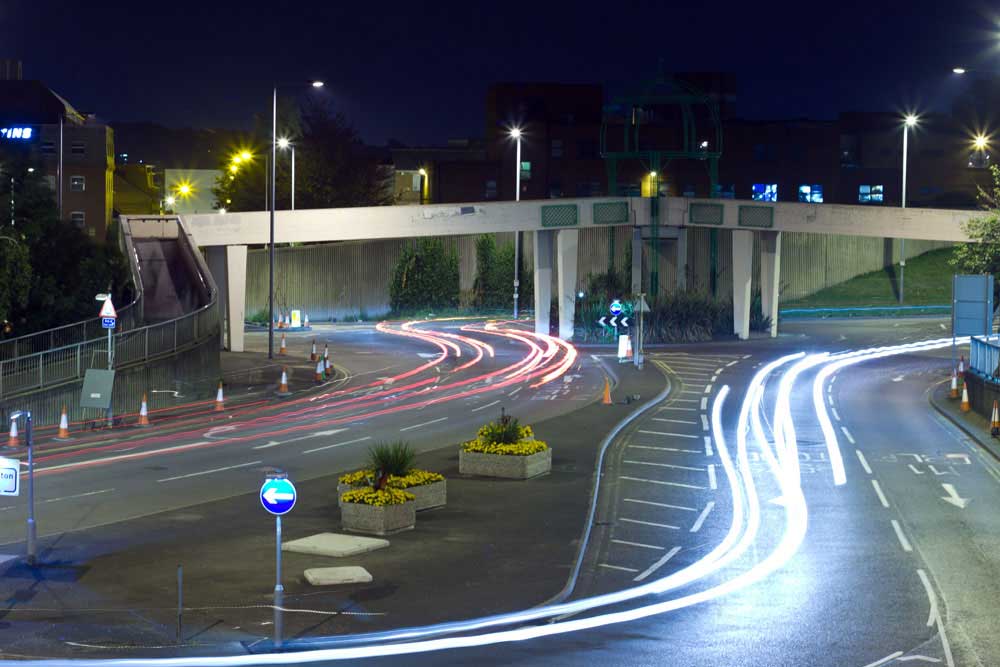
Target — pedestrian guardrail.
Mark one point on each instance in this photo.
(984, 355)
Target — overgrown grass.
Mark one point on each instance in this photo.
(927, 281)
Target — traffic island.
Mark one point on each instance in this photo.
(429, 488)
(505, 449)
(334, 545)
(378, 511)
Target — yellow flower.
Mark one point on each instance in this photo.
(522, 448)
(357, 477)
(377, 497)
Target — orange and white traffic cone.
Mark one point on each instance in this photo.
(953, 393)
(995, 421)
(320, 373)
(12, 438)
(961, 371)
(965, 407)
(143, 412)
(313, 355)
(63, 433)
(628, 347)
(327, 365)
(607, 392)
(283, 350)
(288, 321)
(220, 402)
(283, 385)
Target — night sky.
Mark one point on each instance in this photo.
(417, 71)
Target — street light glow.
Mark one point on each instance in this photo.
(171, 200)
(910, 120)
(422, 171)
(283, 143)
(234, 168)
(246, 155)
(184, 189)
(980, 142)
(317, 84)
(515, 133)
(652, 174)
(958, 70)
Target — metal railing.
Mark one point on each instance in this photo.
(130, 316)
(69, 363)
(984, 355)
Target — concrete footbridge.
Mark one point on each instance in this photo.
(555, 225)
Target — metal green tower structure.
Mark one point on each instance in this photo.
(682, 123)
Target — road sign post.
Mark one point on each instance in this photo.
(109, 319)
(278, 496)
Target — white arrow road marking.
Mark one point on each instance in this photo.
(209, 472)
(317, 434)
(953, 497)
(272, 496)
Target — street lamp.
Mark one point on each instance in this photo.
(270, 252)
(515, 134)
(423, 182)
(910, 120)
(285, 144)
(32, 550)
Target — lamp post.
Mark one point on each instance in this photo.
(270, 252)
(285, 144)
(909, 121)
(515, 134)
(32, 549)
(423, 183)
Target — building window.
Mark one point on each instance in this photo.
(91, 231)
(979, 159)
(870, 194)
(491, 189)
(811, 194)
(77, 183)
(48, 148)
(557, 148)
(525, 171)
(555, 190)
(78, 148)
(765, 192)
(725, 191)
(78, 218)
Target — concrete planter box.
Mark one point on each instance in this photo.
(428, 496)
(508, 467)
(372, 520)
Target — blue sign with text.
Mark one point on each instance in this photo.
(277, 496)
(15, 133)
(108, 322)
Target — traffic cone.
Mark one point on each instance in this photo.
(12, 439)
(313, 355)
(283, 350)
(143, 412)
(327, 366)
(305, 321)
(607, 392)
(961, 371)
(283, 385)
(63, 426)
(288, 321)
(965, 407)
(628, 347)
(954, 385)
(995, 421)
(277, 320)
(320, 373)
(220, 403)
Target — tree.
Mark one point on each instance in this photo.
(982, 254)
(426, 276)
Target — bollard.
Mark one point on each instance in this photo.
(180, 603)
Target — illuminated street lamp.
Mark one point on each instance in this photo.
(980, 142)
(910, 120)
(958, 70)
(285, 144)
(515, 134)
(171, 200)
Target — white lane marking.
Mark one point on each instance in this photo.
(55, 500)
(886, 659)
(732, 363)
(664, 465)
(836, 415)
(881, 496)
(671, 407)
(665, 505)
(708, 389)
(513, 393)
(864, 461)
(833, 379)
(639, 544)
(654, 481)
(658, 564)
(674, 421)
(847, 434)
(124, 457)
(630, 570)
(675, 435)
(685, 400)
(433, 421)
(718, 370)
(701, 517)
(921, 658)
(483, 407)
(704, 404)
(935, 617)
(650, 523)
(714, 378)
(317, 434)
(712, 483)
(708, 446)
(903, 542)
(665, 449)
(689, 391)
(829, 389)
(209, 472)
(338, 444)
(704, 422)
(914, 469)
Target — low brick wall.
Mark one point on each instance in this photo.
(982, 393)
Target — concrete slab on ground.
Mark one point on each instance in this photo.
(332, 576)
(335, 545)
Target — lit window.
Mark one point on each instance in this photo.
(525, 171)
(78, 218)
(77, 183)
(811, 194)
(491, 189)
(557, 148)
(415, 183)
(870, 194)
(78, 148)
(765, 192)
(725, 191)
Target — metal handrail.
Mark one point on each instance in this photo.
(129, 317)
(984, 355)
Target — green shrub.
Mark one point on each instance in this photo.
(396, 458)
(426, 276)
(504, 431)
(494, 284)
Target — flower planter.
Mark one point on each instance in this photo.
(430, 495)
(378, 519)
(503, 465)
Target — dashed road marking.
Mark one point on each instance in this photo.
(712, 483)
(881, 496)
(337, 444)
(658, 564)
(483, 407)
(656, 481)
(732, 363)
(708, 389)
(675, 435)
(701, 517)
(664, 465)
(209, 472)
(433, 421)
(650, 523)
(664, 505)
(708, 446)
(674, 421)
(704, 403)
(674, 407)
(704, 422)
(639, 544)
(864, 461)
(836, 415)
(665, 449)
(847, 434)
(903, 542)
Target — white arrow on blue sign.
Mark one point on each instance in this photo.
(108, 322)
(277, 496)
(616, 307)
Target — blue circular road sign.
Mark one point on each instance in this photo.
(277, 496)
(616, 307)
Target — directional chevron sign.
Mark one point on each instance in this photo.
(277, 496)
